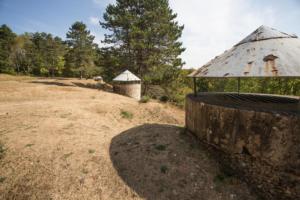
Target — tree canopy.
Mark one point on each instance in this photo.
(144, 36)
(82, 50)
(7, 38)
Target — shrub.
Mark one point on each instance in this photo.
(44, 71)
(2, 150)
(91, 151)
(164, 98)
(29, 145)
(2, 179)
(9, 71)
(126, 114)
(144, 99)
(163, 169)
(160, 147)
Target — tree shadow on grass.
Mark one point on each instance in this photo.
(52, 83)
(163, 162)
(97, 86)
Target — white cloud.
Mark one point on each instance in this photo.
(94, 21)
(213, 26)
(103, 2)
(98, 38)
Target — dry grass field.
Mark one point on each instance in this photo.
(61, 139)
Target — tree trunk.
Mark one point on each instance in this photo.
(18, 69)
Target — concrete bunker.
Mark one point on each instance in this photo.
(258, 135)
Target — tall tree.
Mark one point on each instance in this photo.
(81, 55)
(6, 42)
(146, 36)
(55, 53)
(18, 54)
(44, 54)
(109, 62)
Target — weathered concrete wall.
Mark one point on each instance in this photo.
(270, 140)
(128, 89)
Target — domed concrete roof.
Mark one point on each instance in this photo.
(126, 76)
(265, 33)
(266, 52)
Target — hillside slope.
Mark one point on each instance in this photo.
(63, 140)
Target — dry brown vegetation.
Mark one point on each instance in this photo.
(63, 140)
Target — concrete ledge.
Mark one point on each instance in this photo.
(269, 139)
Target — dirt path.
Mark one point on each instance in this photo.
(65, 141)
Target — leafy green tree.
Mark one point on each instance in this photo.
(43, 54)
(145, 35)
(109, 62)
(81, 53)
(55, 52)
(18, 53)
(279, 85)
(37, 51)
(7, 38)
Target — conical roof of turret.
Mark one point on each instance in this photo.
(126, 76)
(266, 52)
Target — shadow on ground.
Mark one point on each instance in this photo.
(97, 86)
(163, 162)
(52, 83)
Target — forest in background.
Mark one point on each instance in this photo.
(144, 38)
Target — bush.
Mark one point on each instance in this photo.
(164, 98)
(126, 114)
(9, 71)
(44, 71)
(145, 99)
(160, 147)
(163, 169)
(2, 150)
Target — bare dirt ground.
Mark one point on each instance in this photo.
(63, 140)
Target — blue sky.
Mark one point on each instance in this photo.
(211, 26)
(54, 16)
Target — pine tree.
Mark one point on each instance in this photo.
(81, 55)
(146, 37)
(6, 42)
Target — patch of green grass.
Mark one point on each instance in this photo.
(69, 126)
(220, 178)
(164, 98)
(163, 169)
(67, 155)
(29, 145)
(2, 150)
(65, 115)
(85, 171)
(160, 147)
(28, 127)
(223, 178)
(126, 114)
(91, 151)
(145, 99)
(2, 179)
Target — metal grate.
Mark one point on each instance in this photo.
(255, 102)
